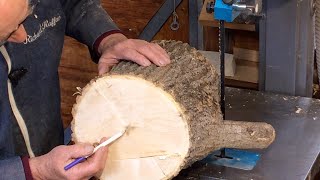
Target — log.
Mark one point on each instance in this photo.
(172, 115)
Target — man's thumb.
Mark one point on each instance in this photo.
(104, 68)
(80, 150)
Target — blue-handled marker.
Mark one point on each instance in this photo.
(75, 162)
(81, 159)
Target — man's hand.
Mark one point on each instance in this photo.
(51, 165)
(116, 47)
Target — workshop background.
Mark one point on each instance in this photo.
(76, 68)
(274, 52)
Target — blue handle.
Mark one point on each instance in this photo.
(75, 162)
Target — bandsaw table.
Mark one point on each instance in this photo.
(294, 153)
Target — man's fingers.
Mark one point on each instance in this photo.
(163, 52)
(100, 157)
(95, 163)
(79, 150)
(104, 67)
(106, 63)
(102, 153)
(138, 51)
(152, 53)
(135, 56)
(103, 140)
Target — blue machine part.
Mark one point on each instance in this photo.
(224, 11)
(238, 159)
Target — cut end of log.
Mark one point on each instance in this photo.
(157, 138)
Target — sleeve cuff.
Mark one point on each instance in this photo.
(26, 167)
(95, 55)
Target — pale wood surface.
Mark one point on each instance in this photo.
(156, 133)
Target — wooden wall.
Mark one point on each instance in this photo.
(77, 69)
(237, 38)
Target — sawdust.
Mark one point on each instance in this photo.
(298, 111)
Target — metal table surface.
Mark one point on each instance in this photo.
(295, 149)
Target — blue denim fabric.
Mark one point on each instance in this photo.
(11, 169)
(37, 93)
